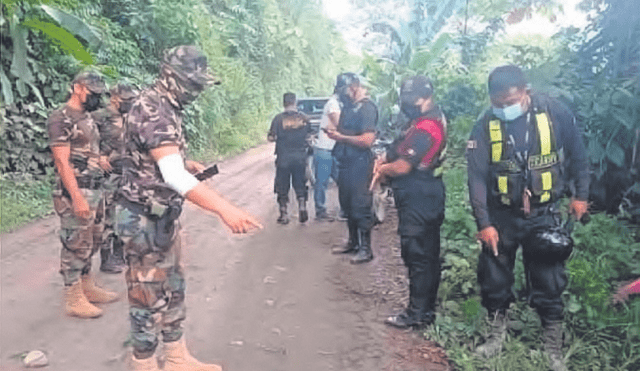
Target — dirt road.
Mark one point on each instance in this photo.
(276, 300)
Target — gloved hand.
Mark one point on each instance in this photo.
(578, 208)
(489, 236)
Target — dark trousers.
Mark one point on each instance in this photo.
(290, 170)
(420, 206)
(546, 278)
(354, 176)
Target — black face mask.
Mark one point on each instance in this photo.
(125, 107)
(412, 112)
(92, 102)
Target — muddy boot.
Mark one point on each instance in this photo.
(552, 337)
(284, 217)
(147, 364)
(302, 210)
(96, 294)
(77, 305)
(364, 254)
(351, 247)
(179, 359)
(497, 335)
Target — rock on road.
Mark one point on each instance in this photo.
(275, 300)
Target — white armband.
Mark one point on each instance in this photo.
(174, 174)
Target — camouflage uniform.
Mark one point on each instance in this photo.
(80, 237)
(111, 126)
(155, 280)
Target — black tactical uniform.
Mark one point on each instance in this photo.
(354, 174)
(518, 170)
(291, 129)
(420, 197)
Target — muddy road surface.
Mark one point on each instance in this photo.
(276, 300)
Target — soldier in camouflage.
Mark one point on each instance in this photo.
(149, 205)
(111, 126)
(77, 198)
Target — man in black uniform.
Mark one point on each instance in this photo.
(354, 137)
(414, 163)
(291, 130)
(522, 156)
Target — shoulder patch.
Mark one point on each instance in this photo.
(472, 144)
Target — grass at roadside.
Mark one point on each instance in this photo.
(23, 200)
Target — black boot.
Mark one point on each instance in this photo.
(302, 210)
(352, 244)
(109, 262)
(284, 217)
(364, 254)
(411, 318)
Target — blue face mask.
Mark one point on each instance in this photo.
(509, 113)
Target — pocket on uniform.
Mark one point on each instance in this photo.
(61, 204)
(543, 180)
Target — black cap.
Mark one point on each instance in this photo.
(346, 79)
(414, 88)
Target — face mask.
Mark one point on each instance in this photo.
(92, 102)
(412, 112)
(509, 113)
(125, 107)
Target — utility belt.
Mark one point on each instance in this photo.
(164, 216)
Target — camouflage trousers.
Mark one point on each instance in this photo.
(80, 237)
(155, 281)
(109, 236)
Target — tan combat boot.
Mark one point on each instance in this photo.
(94, 293)
(179, 359)
(148, 364)
(77, 305)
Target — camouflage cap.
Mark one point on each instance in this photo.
(92, 80)
(189, 63)
(123, 91)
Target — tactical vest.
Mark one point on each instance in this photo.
(537, 178)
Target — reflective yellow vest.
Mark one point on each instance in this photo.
(543, 167)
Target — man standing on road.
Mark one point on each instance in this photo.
(77, 199)
(414, 166)
(322, 157)
(111, 126)
(354, 137)
(156, 181)
(522, 155)
(291, 131)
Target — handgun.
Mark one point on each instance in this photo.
(207, 173)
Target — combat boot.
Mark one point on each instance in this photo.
(496, 337)
(77, 305)
(96, 294)
(284, 217)
(364, 254)
(147, 364)
(179, 359)
(351, 247)
(302, 210)
(552, 337)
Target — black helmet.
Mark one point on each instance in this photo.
(550, 244)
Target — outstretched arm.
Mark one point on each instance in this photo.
(236, 219)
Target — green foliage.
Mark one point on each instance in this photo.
(22, 200)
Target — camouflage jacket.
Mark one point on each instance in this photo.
(111, 127)
(155, 120)
(79, 131)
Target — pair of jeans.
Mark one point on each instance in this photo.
(324, 167)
